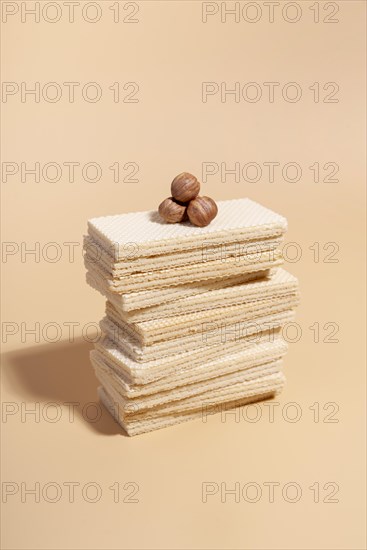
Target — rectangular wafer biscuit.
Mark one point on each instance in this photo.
(140, 373)
(156, 330)
(148, 298)
(280, 283)
(143, 425)
(237, 220)
(188, 373)
(219, 340)
(175, 276)
(134, 423)
(118, 268)
(227, 392)
(180, 393)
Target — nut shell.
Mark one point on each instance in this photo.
(185, 187)
(201, 211)
(172, 211)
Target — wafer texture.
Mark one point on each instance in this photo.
(139, 424)
(156, 330)
(189, 273)
(148, 298)
(139, 373)
(187, 373)
(118, 268)
(219, 340)
(240, 219)
(280, 283)
(180, 393)
(243, 388)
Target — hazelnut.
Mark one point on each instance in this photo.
(201, 211)
(172, 211)
(185, 187)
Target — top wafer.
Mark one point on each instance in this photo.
(139, 234)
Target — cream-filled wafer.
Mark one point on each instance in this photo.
(223, 394)
(137, 427)
(220, 339)
(136, 373)
(118, 268)
(188, 373)
(279, 284)
(145, 234)
(166, 328)
(173, 395)
(149, 298)
(199, 407)
(176, 276)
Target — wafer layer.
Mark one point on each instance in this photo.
(149, 298)
(156, 330)
(118, 268)
(242, 388)
(237, 220)
(148, 402)
(281, 283)
(243, 394)
(138, 373)
(190, 273)
(221, 339)
(140, 426)
(188, 373)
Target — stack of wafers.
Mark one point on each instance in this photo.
(193, 314)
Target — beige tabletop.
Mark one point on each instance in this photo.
(151, 83)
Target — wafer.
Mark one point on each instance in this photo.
(237, 220)
(279, 284)
(135, 425)
(175, 276)
(158, 399)
(194, 315)
(215, 341)
(148, 298)
(118, 268)
(156, 330)
(188, 373)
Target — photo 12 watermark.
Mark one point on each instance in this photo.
(69, 92)
(53, 412)
(70, 12)
(69, 171)
(270, 12)
(215, 333)
(270, 171)
(247, 254)
(274, 412)
(72, 492)
(269, 92)
(252, 492)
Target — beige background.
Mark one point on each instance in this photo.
(169, 53)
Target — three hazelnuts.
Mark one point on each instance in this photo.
(186, 204)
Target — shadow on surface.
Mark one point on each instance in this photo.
(59, 373)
